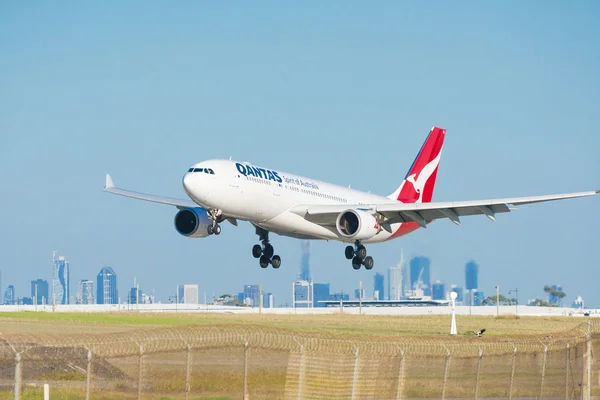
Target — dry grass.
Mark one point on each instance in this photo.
(339, 324)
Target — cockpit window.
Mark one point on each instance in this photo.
(205, 170)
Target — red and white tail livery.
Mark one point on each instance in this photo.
(305, 208)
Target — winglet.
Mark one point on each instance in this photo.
(109, 182)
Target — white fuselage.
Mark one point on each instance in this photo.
(264, 197)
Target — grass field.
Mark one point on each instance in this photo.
(338, 324)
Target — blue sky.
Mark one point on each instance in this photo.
(339, 91)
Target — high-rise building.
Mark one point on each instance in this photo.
(39, 291)
(302, 294)
(321, 293)
(471, 273)
(85, 292)
(106, 287)
(188, 294)
(305, 263)
(420, 276)
(359, 293)
(61, 293)
(378, 286)
(439, 291)
(252, 295)
(136, 296)
(395, 279)
(268, 300)
(459, 293)
(10, 297)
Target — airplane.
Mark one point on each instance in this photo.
(303, 208)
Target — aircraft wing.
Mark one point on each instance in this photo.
(422, 213)
(179, 203)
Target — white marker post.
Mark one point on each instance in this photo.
(453, 327)
(46, 391)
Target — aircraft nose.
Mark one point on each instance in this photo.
(187, 181)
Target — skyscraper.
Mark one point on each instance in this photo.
(395, 275)
(471, 273)
(39, 291)
(106, 287)
(321, 293)
(303, 295)
(420, 277)
(10, 297)
(252, 295)
(85, 292)
(439, 291)
(136, 294)
(188, 294)
(459, 293)
(60, 280)
(305, 263)
(378, 286)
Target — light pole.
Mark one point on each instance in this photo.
(516, 290)
(497, 300)
(453, 325)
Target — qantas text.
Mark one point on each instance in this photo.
(249, 170)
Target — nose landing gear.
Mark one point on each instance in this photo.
(358, 255)
(265, 253)
(216, 216)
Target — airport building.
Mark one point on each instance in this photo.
(39, 291)
(85, 292)
(60, 280)
(106, 287)
(410, 302)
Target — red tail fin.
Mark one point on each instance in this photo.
(418, 184)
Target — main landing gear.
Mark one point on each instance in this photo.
(216, 216)
(358, 255)
(265, 253)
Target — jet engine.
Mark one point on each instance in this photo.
(356, 224)
(192, 222)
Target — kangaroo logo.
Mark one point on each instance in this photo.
(418, 181)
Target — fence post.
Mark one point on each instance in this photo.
(89, 375)
(543, 371)
(446, 370)
(478, 373)
(17, 376)
(400, 377)
(246, 395)
(355, 377)
(567, 363)
(512, 373)
(140, 371)
(188, 371)
(587, 365)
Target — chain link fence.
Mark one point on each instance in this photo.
(256, 362)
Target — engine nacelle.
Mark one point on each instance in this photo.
(357, 225)
(192, 222)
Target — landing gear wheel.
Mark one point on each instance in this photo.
(349, 252)
(276, 262)
(361, 252)
(210, 230)
(264, 261)
(356, 263)
(368, 262)
(268, 251)
(217, 229)
(256, 251)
